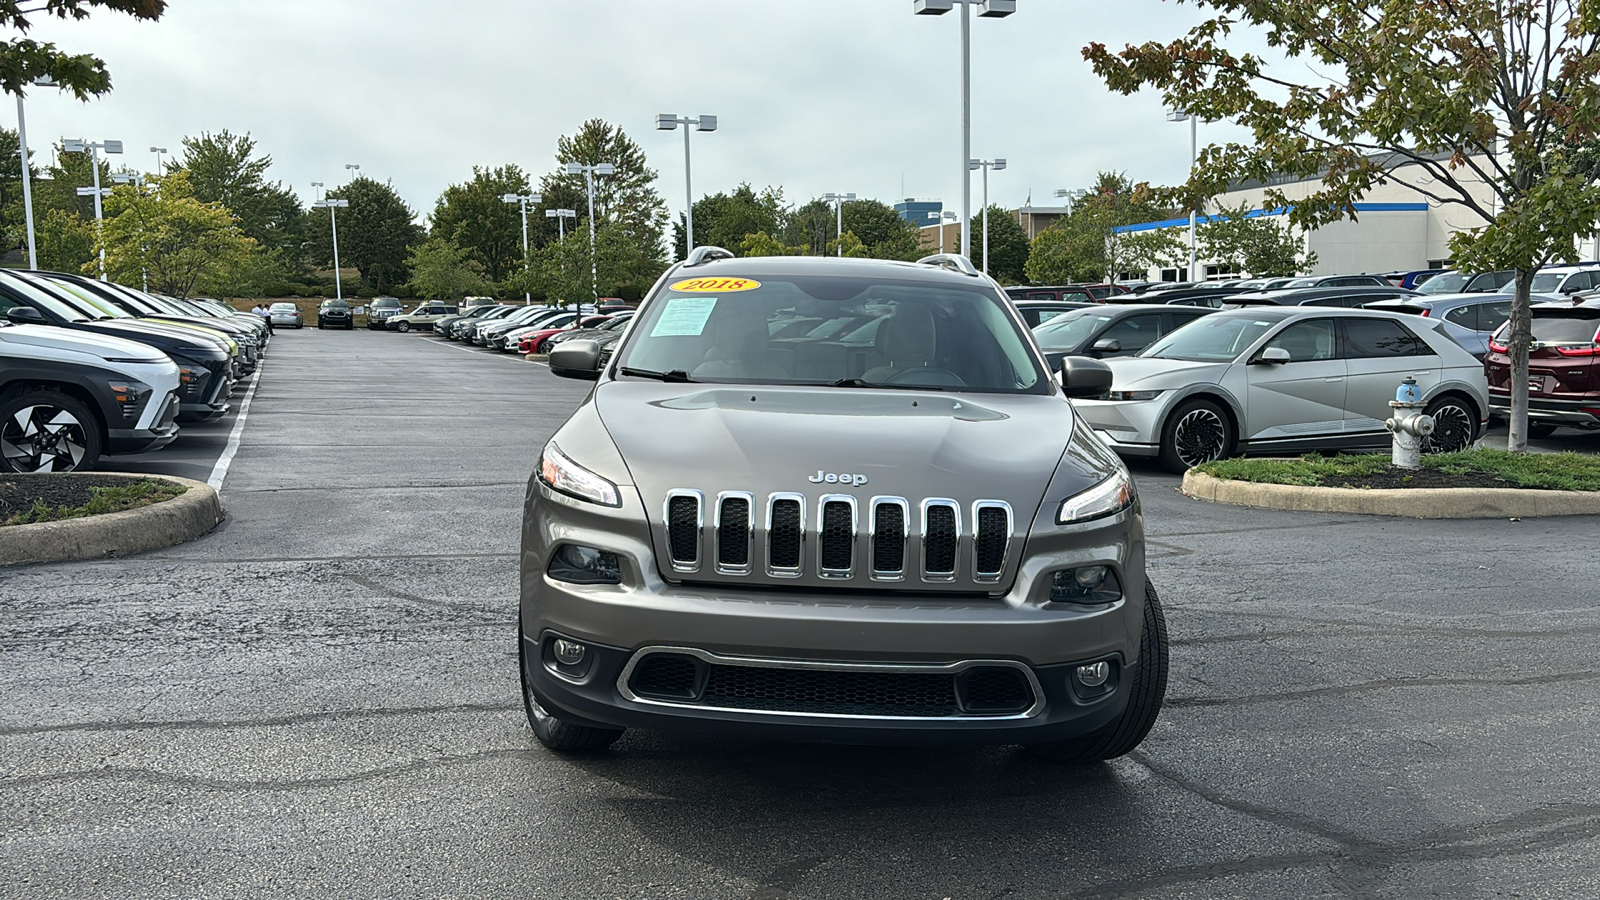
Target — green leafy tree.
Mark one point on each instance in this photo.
(474, 218)
(725, 220)
(376, 232)
(812, 226)
(763, 244)
(1477, 104)
(182, 245)
(24, 61)
(881, 230)
(65, 241)
(440, 270)
(1254, 244)
(561, 269)
(627, 198)
(1008, 247)
(58, 186)
(224, 168)
(1087, 243)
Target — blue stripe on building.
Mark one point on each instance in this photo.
(1257, 213)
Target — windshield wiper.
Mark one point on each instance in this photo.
(851, 382)
(675, 376)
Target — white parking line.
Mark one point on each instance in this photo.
(220, 470)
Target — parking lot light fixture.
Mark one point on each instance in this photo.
(987, 9)
(333, 219)
(986, 165)
(522, 200)
(838, 201)
(668, 122)
(939, 218)
(561, 215)
(158, 151)
(588, 173)
(92, 148)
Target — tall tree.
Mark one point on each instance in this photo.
(1477, 104)
(725, 220)
(811, 226)
(474, 218)
(376, 232)
(1089, 244)
(65, 241)
(881, 230)
(224, 168)
(442, 270)
(1255, 244)
(627, 198)
(23, 60)
(163, 233)
(13, 226)
(1008, 247)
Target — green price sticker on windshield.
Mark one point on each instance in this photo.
(715, 285)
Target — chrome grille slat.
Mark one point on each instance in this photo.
(836, 536)
(786, 529)
(991, 539)
(734, 527)
(887, 525)
(685, 518)
(941, 539)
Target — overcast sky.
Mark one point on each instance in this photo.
(814, 95)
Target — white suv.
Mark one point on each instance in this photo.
(1561, 282)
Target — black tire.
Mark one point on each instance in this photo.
(1540, 432)
(57, 434)
(1196, 432)
(1146, 692)
(403, 327)
(553, 732)
(1455, 426)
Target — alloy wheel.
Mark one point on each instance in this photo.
(1453, 428)
(1200, 437)
(43, 438)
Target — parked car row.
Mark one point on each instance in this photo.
(90, 368)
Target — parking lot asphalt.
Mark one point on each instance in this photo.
(320, 699)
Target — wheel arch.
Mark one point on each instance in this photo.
(1222, 399)
(72, 389)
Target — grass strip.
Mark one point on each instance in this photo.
(105, 500)
(1540, 471)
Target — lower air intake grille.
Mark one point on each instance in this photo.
(683, 529)
(849, 693)
(994, 689)
(783, 541)
(939, 543)
(667, 675)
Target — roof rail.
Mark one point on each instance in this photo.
(955, 262)
(702, 255)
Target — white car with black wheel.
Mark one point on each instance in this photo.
(1265, 380)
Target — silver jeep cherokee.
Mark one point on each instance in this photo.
(835, 500)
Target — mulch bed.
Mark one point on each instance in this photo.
(19, 495)
(1418, 478)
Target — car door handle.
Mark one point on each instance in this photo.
(1334, 378)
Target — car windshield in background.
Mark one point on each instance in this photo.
(1214, 338)
(1545, 282)
(385, 304)
(283, 307)
(1069, 330)
(335, 304)
(1445, 283)
(862, 333)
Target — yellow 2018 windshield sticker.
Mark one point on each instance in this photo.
(715, 285)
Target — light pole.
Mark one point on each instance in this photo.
(588, 173)
(158, 151)
(989, 9)
(939, 218)
(355, 166)
(522, 200)
(838, 201)
(333, 219)
(986, 165)
(1072, 195)
(318, 184)
(667, 122)
(561, 215)
(27, 175)
(1194, 152)
(93, 148)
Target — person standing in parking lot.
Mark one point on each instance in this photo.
(264, 312)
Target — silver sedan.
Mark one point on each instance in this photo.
(1286, 381)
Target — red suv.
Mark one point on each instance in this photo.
(1563, 369)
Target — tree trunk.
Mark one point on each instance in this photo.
(1517, 342)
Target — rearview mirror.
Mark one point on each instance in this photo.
(576, 359)
(1084, 378)
(1273, 356)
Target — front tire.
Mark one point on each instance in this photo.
(1455, 426)
(1196, 432)
(1146, 692)
(47, 431)
(403, 327)
(556, 734)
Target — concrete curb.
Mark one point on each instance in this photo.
(1415, 503)
(183, 518)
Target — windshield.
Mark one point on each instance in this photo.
(1545, 282)
(89, 304)
(383, 303)
(1068, 331)
(1213, 338)
(335, 304)
(870, 331)
(45, 301)
(1445, 283)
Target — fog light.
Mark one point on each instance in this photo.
(570, 653)
(1085, 584)
(1093, 675)
(1089, 576)
(585, 565)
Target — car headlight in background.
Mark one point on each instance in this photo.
(562, 474)
(1133, 395)
(1110, 496)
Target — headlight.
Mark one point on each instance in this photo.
(1133, 395)
(1111, 496)
(566, 476)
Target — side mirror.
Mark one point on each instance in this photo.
(1084, 377)
(1107, 345)
(576, 359)
(1273, 356)
(24, 315)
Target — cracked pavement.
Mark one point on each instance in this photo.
(320, 699)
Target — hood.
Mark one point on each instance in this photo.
(1147, 373)
(45, 337)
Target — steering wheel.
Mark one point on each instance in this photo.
(932, 376)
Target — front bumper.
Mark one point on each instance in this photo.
(162, 431)
(1130, 427)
